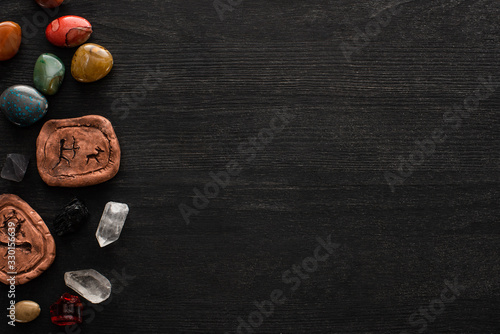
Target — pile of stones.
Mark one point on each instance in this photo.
(76, 152)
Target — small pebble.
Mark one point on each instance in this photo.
(68, 31)
(27, 311)
(10, 39)
(48, 75)
(49, 3)
(91, 62)
(23, 105)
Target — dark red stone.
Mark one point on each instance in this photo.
(66, 311)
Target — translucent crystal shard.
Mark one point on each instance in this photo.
(90, 284)
(111, 224)
(15, 167)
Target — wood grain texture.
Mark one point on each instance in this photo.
(222, 82)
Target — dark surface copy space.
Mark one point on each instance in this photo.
(190, 94)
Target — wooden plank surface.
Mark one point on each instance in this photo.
(190, 93)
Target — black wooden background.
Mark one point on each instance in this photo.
(221, 82)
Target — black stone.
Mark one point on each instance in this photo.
(72, 217)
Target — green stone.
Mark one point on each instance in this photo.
(49, 72)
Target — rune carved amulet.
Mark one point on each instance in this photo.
(77, 152)
(27, 248)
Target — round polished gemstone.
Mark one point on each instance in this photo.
(10, 39)
(48, 75)
(49, 3)
(26, 311)
(68, 31)
(23, 105)
(91, 62)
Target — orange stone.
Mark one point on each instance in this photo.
(10, 39)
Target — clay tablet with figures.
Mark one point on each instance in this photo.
(26, 245)
(77, 152)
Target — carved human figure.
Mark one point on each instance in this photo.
(77, 152)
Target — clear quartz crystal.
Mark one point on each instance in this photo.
(111, 224)
(90, 284)
(15, 167)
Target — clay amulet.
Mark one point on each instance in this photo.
(26, 246)
(77, 152)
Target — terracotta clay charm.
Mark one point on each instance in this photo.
(25, 240)
(77, 152)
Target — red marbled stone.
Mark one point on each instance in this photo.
(68, 31)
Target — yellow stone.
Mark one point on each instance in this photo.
(91, 62)
(27, 311)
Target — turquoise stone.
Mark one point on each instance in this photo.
(23, 105)
(48, 75)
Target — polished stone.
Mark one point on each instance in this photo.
(23, 105)
(68, 31)
(49, 3)
(111, 224)
(48, 74)
(90, 284)
(91, 62)
(15, 167)
(10, 39)
(67, 311)
(27, 311)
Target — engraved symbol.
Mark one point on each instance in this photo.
(62, 155)
(96, 155)
(13, 218)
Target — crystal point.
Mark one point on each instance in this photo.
(15, 167)
(90, 284)
(111, 224)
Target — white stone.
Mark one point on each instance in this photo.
(111, 224)
(90, 284)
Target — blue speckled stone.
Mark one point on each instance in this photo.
(23, 105)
